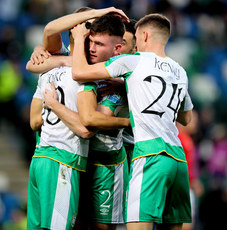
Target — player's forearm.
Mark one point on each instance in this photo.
(67, 22)
(52, 32)
(70, 119)
(101, 121)
(79, 60)
(108, 123)
(48, 64)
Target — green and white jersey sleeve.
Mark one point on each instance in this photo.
(156, 88)
(71, 149)
(90, 86)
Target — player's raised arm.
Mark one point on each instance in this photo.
(81, 70)
(52, 40)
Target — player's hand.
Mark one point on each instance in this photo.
(80, 31)
(50, 97)
(118, 12)
(39, 55)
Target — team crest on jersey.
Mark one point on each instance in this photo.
(73, 220)
(114, 98)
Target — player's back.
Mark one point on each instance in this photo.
(54, 132)
(157, 88)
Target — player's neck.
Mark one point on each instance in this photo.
(158, 49)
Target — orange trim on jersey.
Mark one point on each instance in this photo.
(83, 91)
(108, 72)
(38, 98)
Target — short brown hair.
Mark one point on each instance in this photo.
(157, 21)
(108, 24)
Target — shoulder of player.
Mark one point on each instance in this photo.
(174, 62)
(122, 57)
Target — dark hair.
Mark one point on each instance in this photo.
(130, 26)
(108, 24)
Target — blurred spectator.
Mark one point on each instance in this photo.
(139, 8)
(11, 80)
(217, 162)
(7, 12)
(9, 203)
(18, 220)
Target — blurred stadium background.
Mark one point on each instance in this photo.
(198, 43)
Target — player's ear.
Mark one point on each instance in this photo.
(145, 35)
(117, 49)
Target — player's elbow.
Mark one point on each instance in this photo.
(81, 76)
(187, 118)
(48, 30)
(184, 122)
(36, 124)
(184, 117)
(77, 76)
(87, 120)
(29, 66)
(86, 134)
(33, 68)
(52, 40)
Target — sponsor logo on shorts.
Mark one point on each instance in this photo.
(104, 211)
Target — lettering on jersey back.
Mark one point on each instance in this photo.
(57, 76)
(166, 67)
